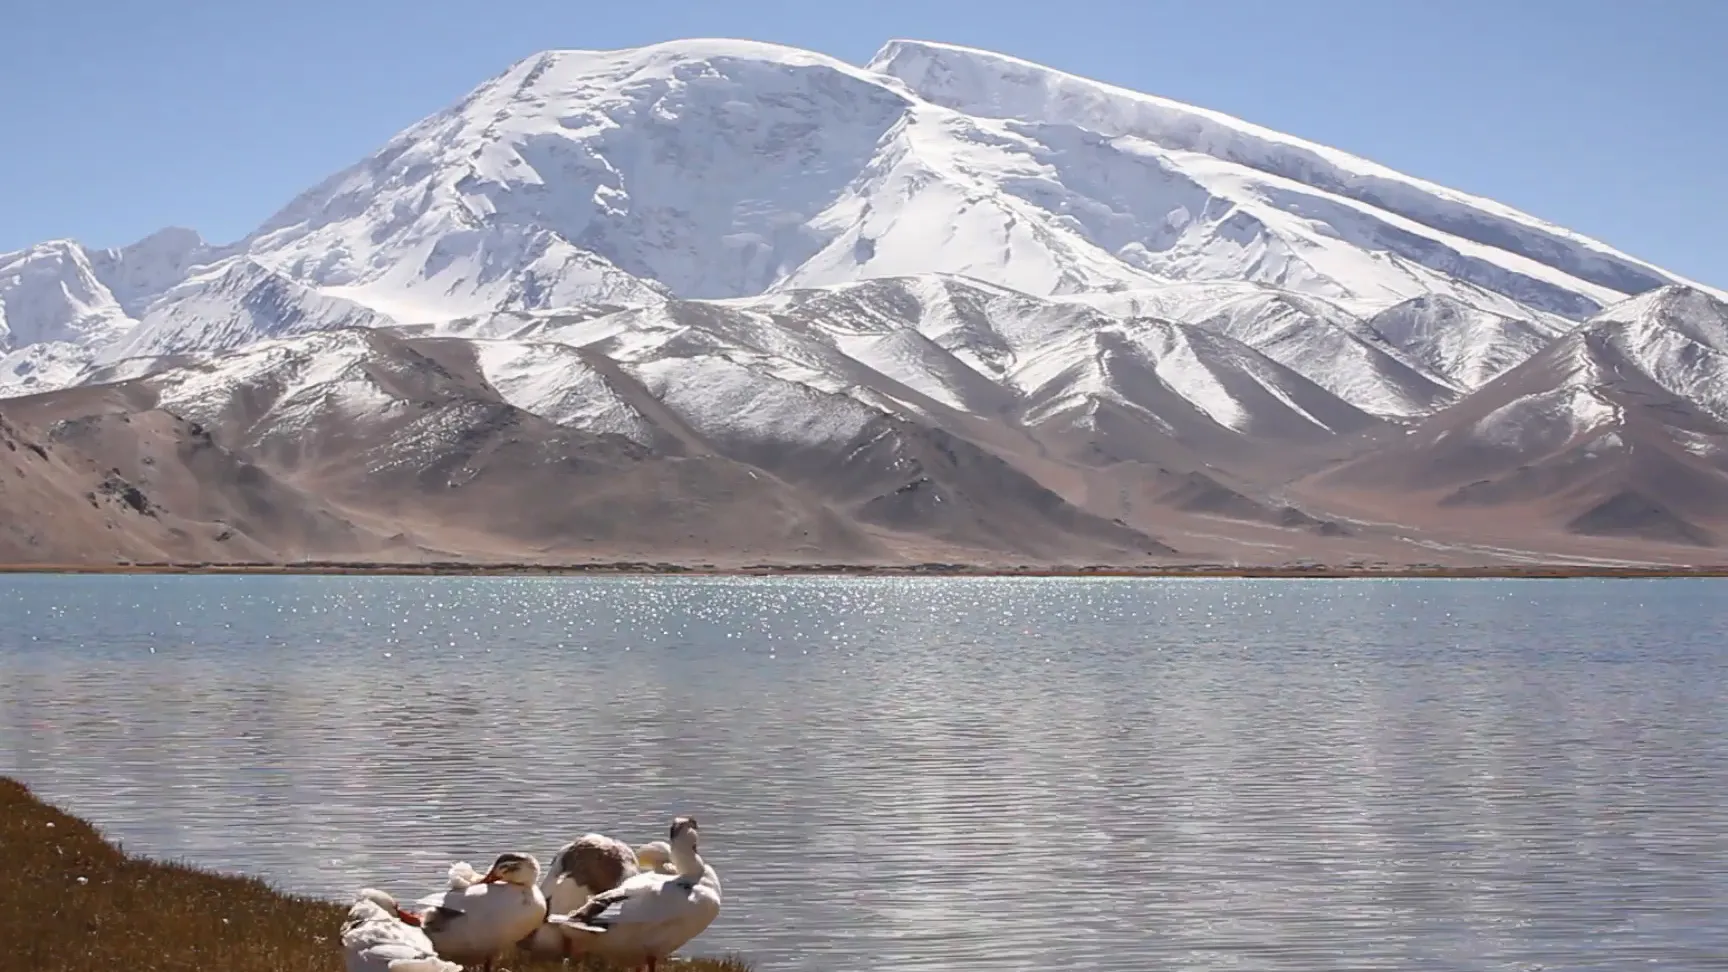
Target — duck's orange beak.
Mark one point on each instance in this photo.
(492, 877)
(408, 917)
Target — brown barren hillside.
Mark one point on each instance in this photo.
(441, 467)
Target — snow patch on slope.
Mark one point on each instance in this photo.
(1313, 337)
(301, 377)
(1464, 345)
(45, 366)
(728, 401)
(1544, 421)
(554, 382)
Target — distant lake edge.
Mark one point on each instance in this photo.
(1554, 571)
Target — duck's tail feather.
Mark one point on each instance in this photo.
(462, 875)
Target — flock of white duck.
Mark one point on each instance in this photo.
(600, 897)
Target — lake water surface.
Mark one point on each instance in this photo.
(900, 774)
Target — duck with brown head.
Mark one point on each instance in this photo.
(652, 915)
(580, 870)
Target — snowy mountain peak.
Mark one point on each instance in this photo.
(716, 168)
(139, 273)
(51, 292)
(231, 304)
(171, 245)
(1617, 428)
(1670, 344)
(1675, 338)
(1552, 268)
(1694, 310)
(693, 168)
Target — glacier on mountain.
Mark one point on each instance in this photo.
(719, 169)
(999, 86)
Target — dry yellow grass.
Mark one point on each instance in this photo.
(75, 903)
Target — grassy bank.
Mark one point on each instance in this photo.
(76, 903)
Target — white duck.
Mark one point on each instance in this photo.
(653, 914)
(378, 936)
(581, 869)
(481, 915)
(656, 855)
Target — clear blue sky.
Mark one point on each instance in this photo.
(1607, 116)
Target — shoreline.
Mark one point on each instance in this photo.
(1557, 571)
(82, 904)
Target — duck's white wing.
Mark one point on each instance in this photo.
(646, 899)
(672, 901)
(481, 920)
(598, 912)
(564, 894)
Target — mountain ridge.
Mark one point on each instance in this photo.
(1355, 169)
(946, 303)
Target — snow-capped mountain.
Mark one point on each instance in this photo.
(879, 286)
(705, 169)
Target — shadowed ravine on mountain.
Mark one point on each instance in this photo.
(719, 302)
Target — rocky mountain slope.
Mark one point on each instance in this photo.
(356, 433)
(717, 301)
(1619, 428)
